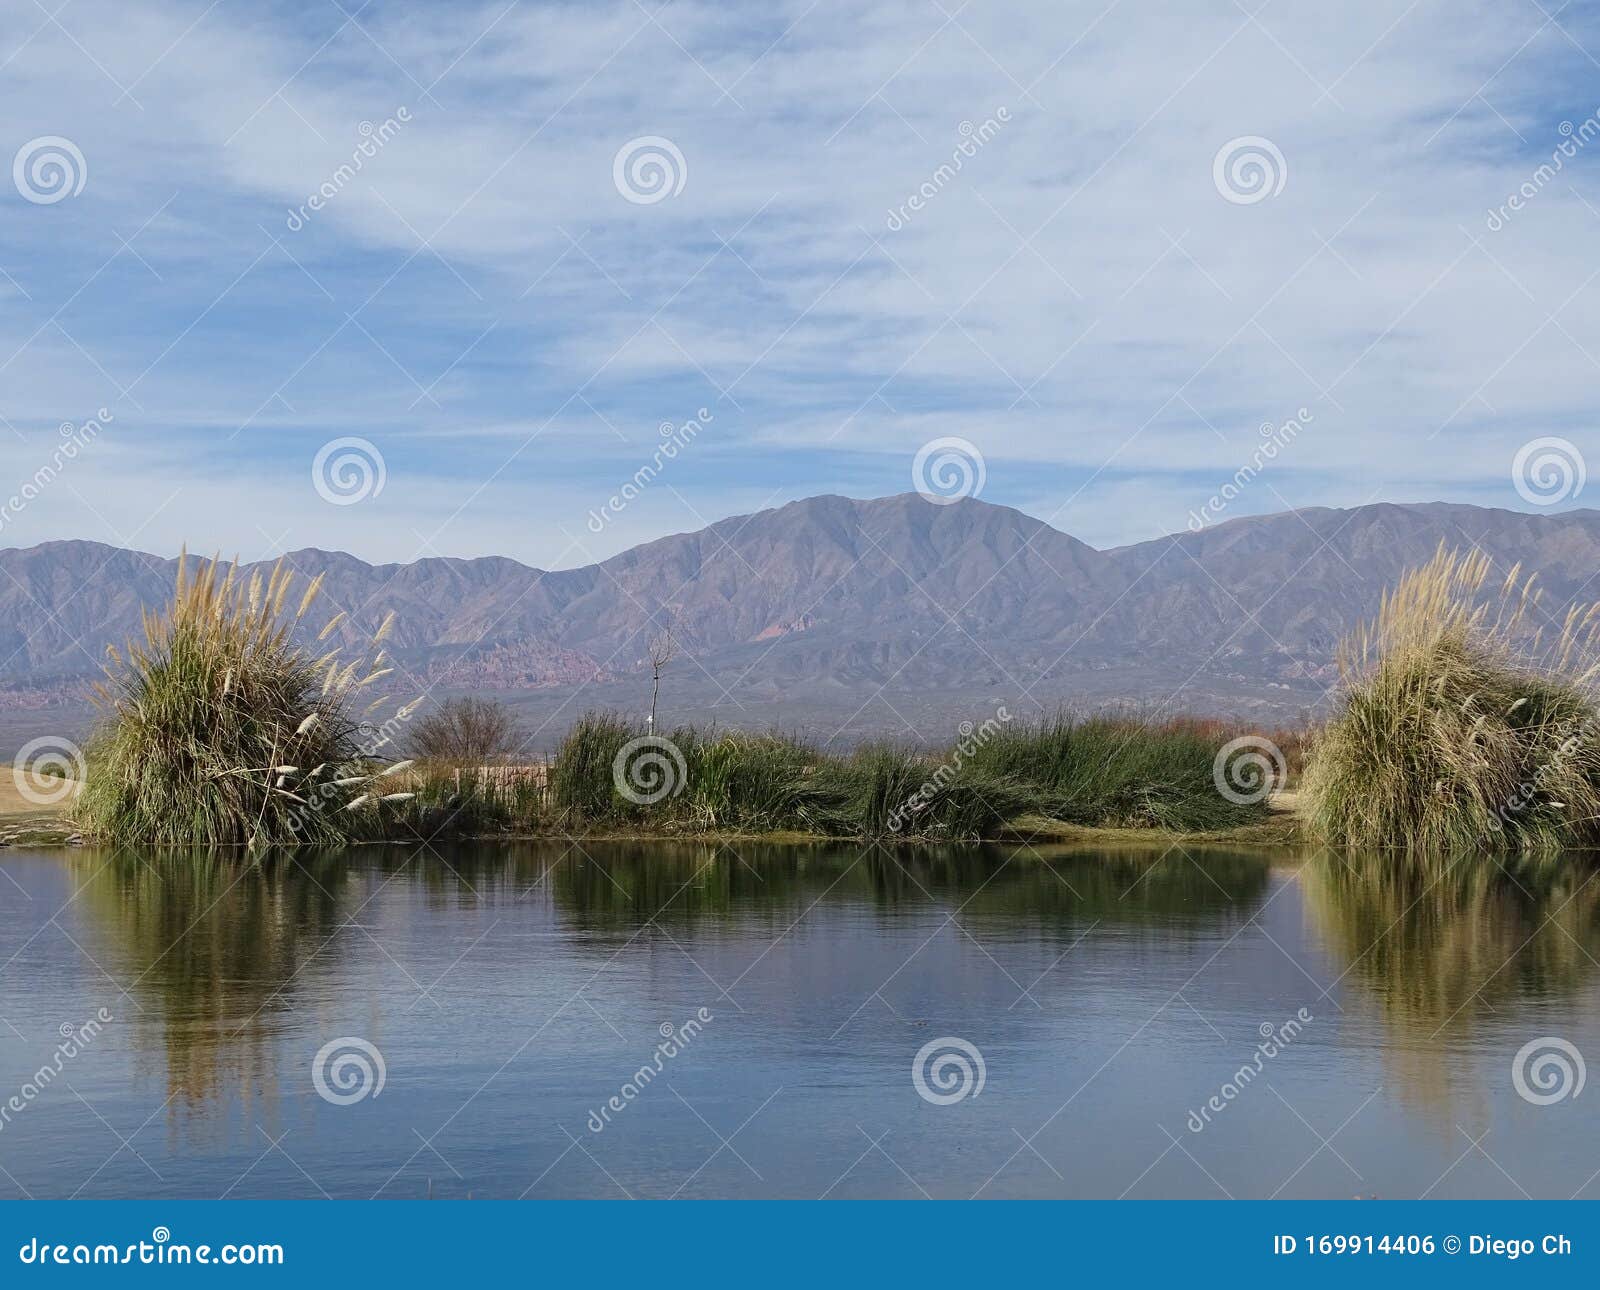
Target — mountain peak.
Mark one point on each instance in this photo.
(848, 613)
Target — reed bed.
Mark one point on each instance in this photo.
(1467, 721)
(610, 774)
(223, 727)
(1119, 772)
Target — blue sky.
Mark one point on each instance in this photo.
(485, 306)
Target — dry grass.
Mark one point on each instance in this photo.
(221, 730)
(1464, 724)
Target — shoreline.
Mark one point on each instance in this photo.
(1282, 829)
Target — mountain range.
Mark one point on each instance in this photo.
(833, 616)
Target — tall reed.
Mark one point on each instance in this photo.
(1119, 771)
(220, 729)
(1467, 720)
(1098, 771)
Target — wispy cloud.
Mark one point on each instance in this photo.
(1078, 299)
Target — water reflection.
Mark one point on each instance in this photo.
(219, 949)
(628, 885)
(221, 956)
(1443, 950)
(510, 987)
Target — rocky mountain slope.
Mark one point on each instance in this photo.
(832, 606)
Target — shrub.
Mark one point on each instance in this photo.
(1459, 728)
(221, 730)
(466, 732)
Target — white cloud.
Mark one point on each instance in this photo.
(1078, 299)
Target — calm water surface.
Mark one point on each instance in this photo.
(512, 991)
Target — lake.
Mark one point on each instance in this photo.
(660, 1020)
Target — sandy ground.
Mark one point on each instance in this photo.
(14, 807)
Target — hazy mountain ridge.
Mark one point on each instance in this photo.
(830, 597)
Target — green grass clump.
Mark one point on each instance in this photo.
(884, 791)
(760, 783)
(1119, 772)
(221, 730)
(1458, 729)
(580, 776)
(708, 781)
(1103, 772)
(751, 782)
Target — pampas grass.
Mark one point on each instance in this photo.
(221, 730)
(1466, 723)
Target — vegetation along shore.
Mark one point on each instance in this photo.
(1464, 722)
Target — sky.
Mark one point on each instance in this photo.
(412, 279)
